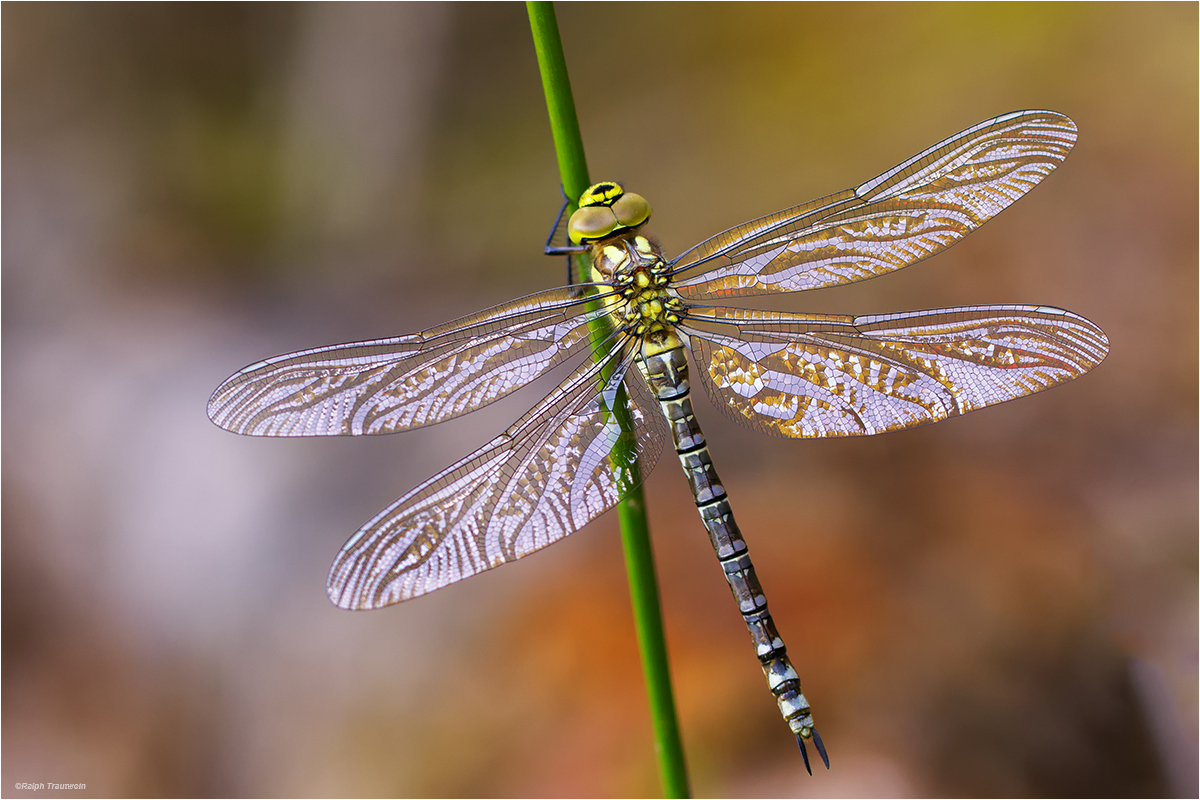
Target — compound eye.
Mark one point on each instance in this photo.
(591, 222)
(631, 210)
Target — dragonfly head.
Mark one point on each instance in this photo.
(604, 209)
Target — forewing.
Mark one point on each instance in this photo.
(561, 465)
(409, 381)
(805, 376)
(908, 213)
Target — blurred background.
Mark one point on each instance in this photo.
(1002, 604)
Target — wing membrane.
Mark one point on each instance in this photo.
(564, 463)
(803, 376)
(908, 213)
(409, 381)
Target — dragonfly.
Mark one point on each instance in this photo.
(637, 328)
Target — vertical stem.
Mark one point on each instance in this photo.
(564, 124)
(635, 531)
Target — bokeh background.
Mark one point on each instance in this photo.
(1002, 604)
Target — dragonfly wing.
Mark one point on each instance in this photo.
(908, 213)
(405, 382)
(803, 376)
(564, 463)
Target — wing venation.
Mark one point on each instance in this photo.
(405, 382)
(908, 213)
(808, 376)
(569, 459)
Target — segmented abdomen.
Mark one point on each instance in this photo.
(665, 366)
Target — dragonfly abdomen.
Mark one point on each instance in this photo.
(664, 364)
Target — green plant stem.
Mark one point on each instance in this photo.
(564, 124)
(631, 512)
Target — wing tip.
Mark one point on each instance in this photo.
(351, 586)
(222, 407)
(343, 584)
(338, 596)
(218, 411)
(339, 590)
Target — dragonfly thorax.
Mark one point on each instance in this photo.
(635, 267)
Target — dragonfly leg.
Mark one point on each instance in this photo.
(557, 243)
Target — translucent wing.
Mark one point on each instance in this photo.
(564, 463)
(409, 381)
(908, 213)
(802, 376)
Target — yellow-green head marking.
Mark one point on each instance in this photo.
(604, 209)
